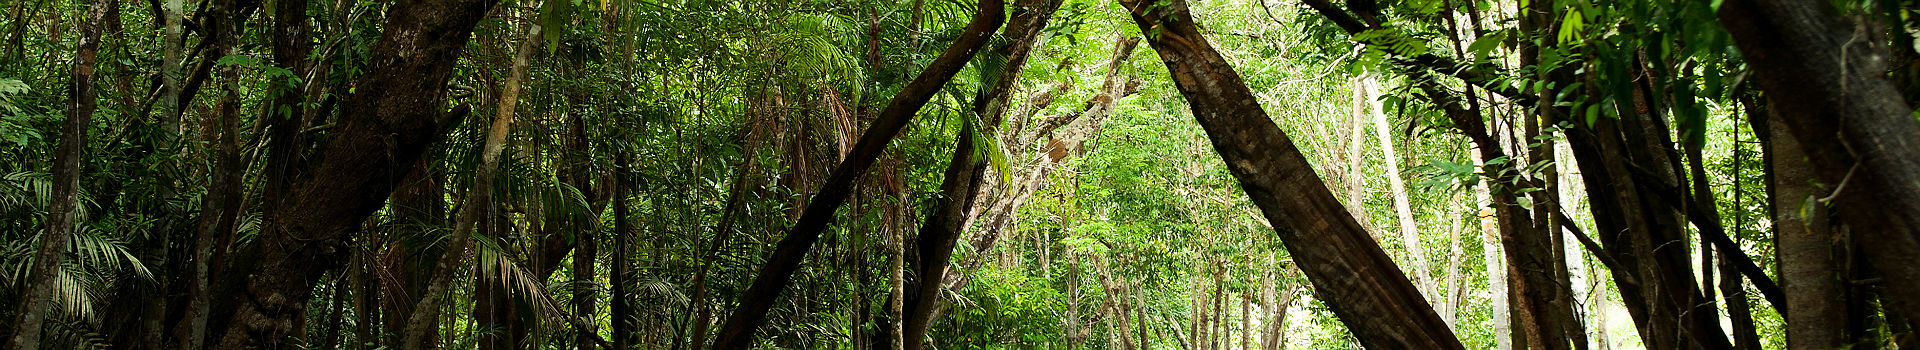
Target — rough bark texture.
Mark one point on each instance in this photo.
(66, 184)
(385, 126)
(1348, 269)
(1828, 86)
(1803, 240)
(775, 274)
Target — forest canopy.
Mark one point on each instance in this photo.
(959, 174)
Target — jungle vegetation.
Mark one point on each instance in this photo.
(959, 174)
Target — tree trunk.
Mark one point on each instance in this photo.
(1350, 271)
(173, 42)
(221, 205)
(775, 274)
(897, 284)
(1816, 301)
(966, 172)
(1455, 281)
(64, 201)
(475, 207)
(1739, 312)
(1409, 230)
(1542, 301)
(1495, 264)
(1246, 337)
(623, 318)
(396, 113)
(585, 227)
(1857, 129)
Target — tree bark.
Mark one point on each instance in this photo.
(585, 227)
(1830, 90)
(1739, 312)
(622, 308)
(64, 199)
(1543, 303)
(1350, 271)
(775, 274)
(966, 172)
(387, 124)
(475, 207)
(1409, 230)
(1496, 267)
(1804, 241)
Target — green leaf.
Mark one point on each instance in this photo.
(1571, 25)
(1484, 45)
(554, 17)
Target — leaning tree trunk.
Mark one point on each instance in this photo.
(397, 112)
(475, 207)
(1409, 229)
(1830, 89)
(1350, 271)
(775, 274)
(65, 195)
(1539, 300)
(966, 173)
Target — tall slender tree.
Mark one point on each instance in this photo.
(63, 210)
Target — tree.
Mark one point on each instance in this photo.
(1346, 265)
(1856, 128)
(387, 124)
(64, 208)
(778, 270)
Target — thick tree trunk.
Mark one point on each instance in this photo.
(1804, 241)
(62, 206)
(1350, 271)
(386, 125)
(1623, 160)
(1830, 90)
(775, 274)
